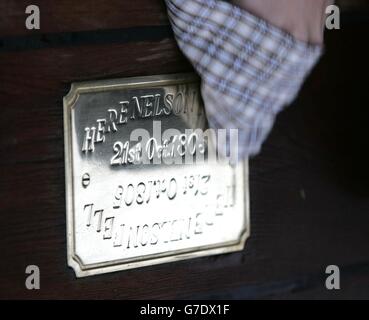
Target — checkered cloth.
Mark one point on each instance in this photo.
(250, 69)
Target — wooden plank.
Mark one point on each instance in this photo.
(309, 186)
(90, 15)
(83, 15)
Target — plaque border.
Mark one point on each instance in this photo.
(81, 270)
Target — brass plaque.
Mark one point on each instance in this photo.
(134, 198)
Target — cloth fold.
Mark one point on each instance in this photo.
(249, 68)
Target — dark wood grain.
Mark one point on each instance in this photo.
(309, 186)
(83, 15)
(91, 15)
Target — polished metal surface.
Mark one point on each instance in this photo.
(127, 208)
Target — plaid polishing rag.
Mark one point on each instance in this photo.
(250, 69)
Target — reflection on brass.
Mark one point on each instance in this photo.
(123, 214)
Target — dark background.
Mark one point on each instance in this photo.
(309, 186)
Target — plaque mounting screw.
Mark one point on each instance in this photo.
(86, 180)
